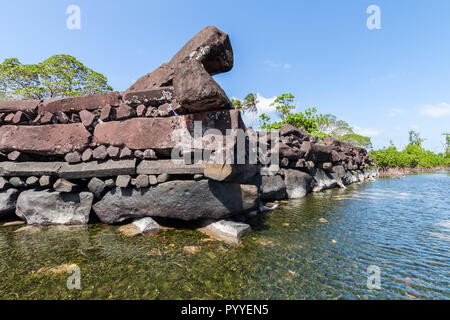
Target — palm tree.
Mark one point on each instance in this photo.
(251, 103)
(238, 105)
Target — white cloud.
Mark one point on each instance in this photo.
(435, 110)
(264, 104)
(276, 65)
(368, 132)
(395, 112)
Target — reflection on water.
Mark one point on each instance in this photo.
(318, 247)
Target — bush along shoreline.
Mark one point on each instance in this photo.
(412, 159)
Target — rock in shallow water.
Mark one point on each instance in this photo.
(272, 188)
(298, 183)
(141, 227)
(228, 231)
(185, 200)
(54, 208)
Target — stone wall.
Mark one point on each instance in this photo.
(108, 156)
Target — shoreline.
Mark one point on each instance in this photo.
(398, 172)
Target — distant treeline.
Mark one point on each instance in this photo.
(413, 155)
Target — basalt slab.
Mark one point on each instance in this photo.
(28, 169)
(54, 208)
(19, 105)
(211, 46)
(110, 168)
(196, 90)
(76, 104)
(8, 201)
(153, 97)
(162, 134)
(56, 139)
(172, 167)
(185, 200)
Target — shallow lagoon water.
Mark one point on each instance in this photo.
(319, 247)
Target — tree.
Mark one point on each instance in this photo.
(446, 144)
(284, 105)
(238, 105)
(58, 76)
(335, 128)
(251, 103)
(414, 138)
(357, 140)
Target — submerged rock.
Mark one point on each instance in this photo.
(8, 200)
(185, 200)
(50, 208)
(140, 227)
(228, 231)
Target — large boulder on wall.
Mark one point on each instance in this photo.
(54, 208)
(211, 47)
(196, 90)
(183, 199)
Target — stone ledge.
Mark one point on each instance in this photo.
(93, 169)
(172, 167)
(28, 169)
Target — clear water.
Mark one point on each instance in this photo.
(400, 225)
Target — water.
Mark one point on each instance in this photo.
(401, 226)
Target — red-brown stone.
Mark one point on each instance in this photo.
(76, 104)
(18, 105)
(87, 118)
(156, 133)
(57, 139)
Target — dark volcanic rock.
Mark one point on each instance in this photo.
(196, 90)
(54, 208)
(298, 183)
(272, 188)
(76, 104)
(8, 201)
(186, 200)
(153, 97)
(161, 77)
(210, 46)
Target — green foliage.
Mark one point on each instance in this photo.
(284, 105)
(311, 121)
(58, 76)
(412, 156)
(238, 105)
(357, 140)
(414, 138)
(446, 144)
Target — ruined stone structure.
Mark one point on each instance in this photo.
(67, 160)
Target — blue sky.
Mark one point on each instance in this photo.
(383, 82)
